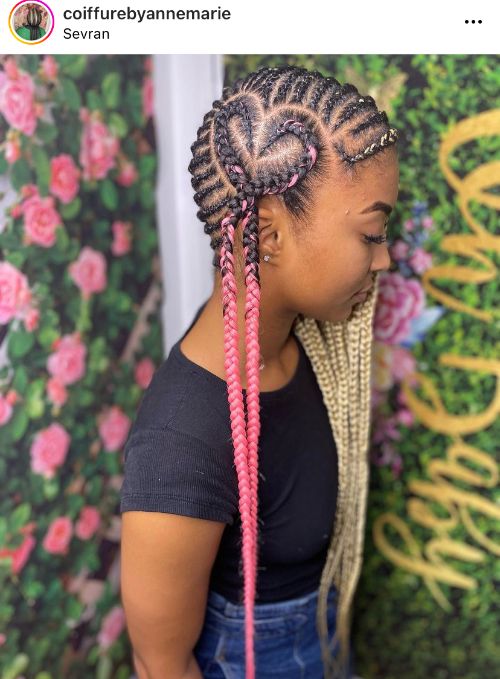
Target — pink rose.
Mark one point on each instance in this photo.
(58, 536)
(17, 103)
(98, 147)
(50, 67)
(112, 626)
(67, 363)
(400, 250)
(5, 410)
(386, 429)
(427, 222)
(10, 68)
(31, 319)
(420, 261)
(409, 225)
(143, 372)
(41, 220)
(87, 523)
(16, 211)
(49, 449)
(399, 301)
(19, 555)
(29, 190)
(113, 428)
(121, 238)
(56, 392)
(128, 174)
(12, 150)
(64, 176)
(89, 271)
(405, 417)
(403, 363)
(147, 97)
(15, 295)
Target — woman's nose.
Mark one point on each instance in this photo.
(381, 260)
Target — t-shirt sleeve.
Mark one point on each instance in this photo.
(166, 470)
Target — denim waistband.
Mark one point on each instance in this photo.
(269, 609)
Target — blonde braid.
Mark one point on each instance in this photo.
(341, 355)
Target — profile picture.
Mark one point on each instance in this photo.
(31, 22)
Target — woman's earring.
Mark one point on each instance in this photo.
(267, 258)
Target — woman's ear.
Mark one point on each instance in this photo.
(271, 225)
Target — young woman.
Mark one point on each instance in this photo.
(246, 470)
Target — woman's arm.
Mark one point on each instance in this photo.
(193, 670)
(166, 561)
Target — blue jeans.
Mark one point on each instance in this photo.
(286, 643)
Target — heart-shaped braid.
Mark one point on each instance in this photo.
(269, 134)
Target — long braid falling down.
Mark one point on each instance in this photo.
(273, 133)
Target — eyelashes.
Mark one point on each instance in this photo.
(378, 239)
(375, 239)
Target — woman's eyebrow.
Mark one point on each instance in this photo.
(378, 205)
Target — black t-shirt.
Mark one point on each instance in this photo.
(179, 459)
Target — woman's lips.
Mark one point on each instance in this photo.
(365, 291)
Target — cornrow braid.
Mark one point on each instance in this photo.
(270, 134)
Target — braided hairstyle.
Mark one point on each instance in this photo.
(272, 132)
(33, 21)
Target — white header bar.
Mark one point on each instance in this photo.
(255, 27)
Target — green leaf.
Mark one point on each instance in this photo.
(118, 125)
(46, 132)
(46, 337)
(20, 381)
(20, 174)
(94, 101)
(20, 342)
(16, 258)
(111, 89)
(42, 169)
(19, 517)
(3, 164)
(50, 488)
(71, 94)
(3, 530)
(73, 65)
(70, 210)
(18, 425)
(18, 665)
(147, 165)
(104, 667)
(35, 404)
(109, 194)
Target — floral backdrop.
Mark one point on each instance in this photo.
(427, 602)
(79, 340)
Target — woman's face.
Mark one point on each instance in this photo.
(318, 270)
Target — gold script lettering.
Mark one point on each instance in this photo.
(456, 502)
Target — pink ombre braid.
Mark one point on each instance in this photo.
(238, 429)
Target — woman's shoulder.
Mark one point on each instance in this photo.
(185, 397)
